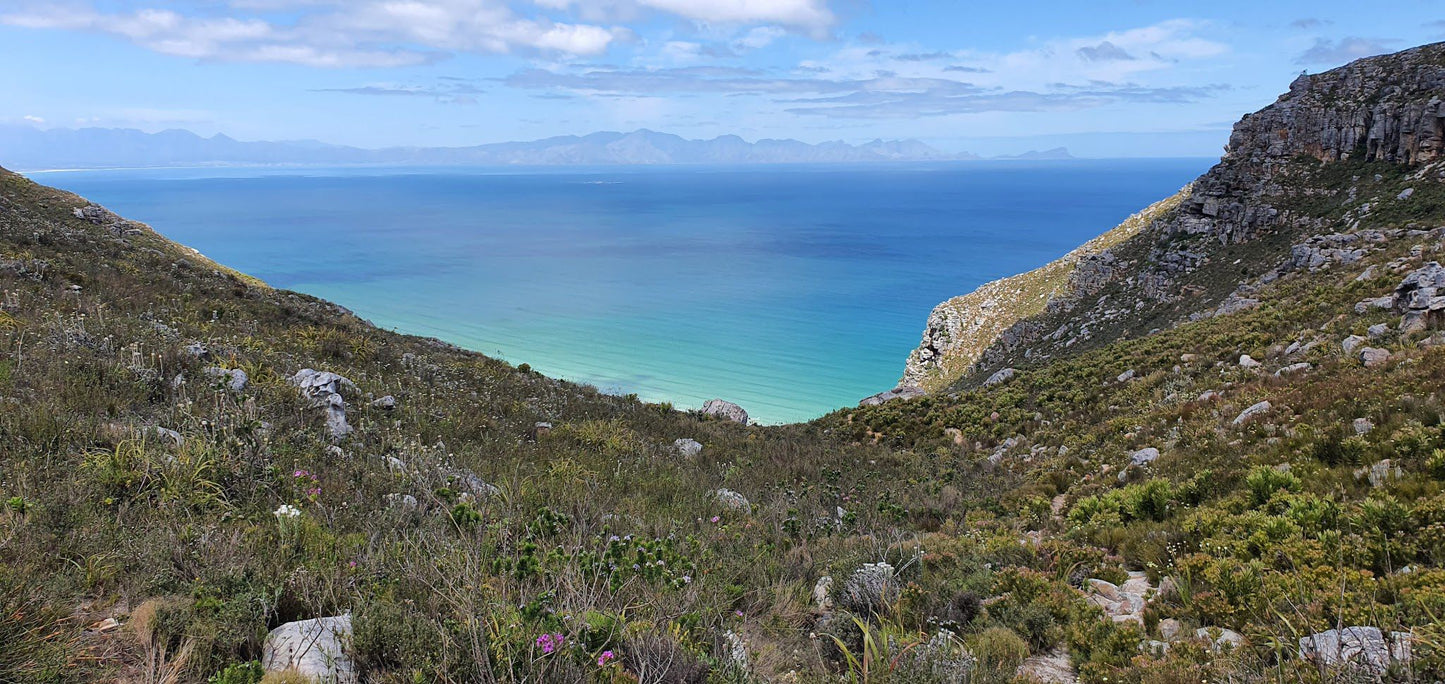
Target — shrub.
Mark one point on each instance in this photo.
(1264, 481)
(999, 649)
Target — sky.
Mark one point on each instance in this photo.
(1106, 78)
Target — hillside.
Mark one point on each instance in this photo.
(1152, 495)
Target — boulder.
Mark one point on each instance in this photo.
(1247, 361)
(336, 416)
(1000, 377)
(718, 408)
(1208, 395)
(235, 378)
(1108, 590)
(1225, 638)
(689, 448)
(1291, 369)
(732, 500)
(1379, 330)
(1169, 628)
(1372, 357)
(475, 487)
(315, 384)
(1363, 646)
(1362, 426)
(902, 392)
(318, 649)
(1351, 343)
(385, 403)
(1144, 457)
(823, 593)
(1246, 415)
(1126, 376)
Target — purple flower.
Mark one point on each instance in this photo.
(300, 473)
(605, 658)
(716, 518)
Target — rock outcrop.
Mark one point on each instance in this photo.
(1163, 266)
(317, 649)
(727, 410)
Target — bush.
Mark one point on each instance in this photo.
(999, 649)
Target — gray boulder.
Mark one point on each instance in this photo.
(318, 649)
(1351, 343)
(1372, 357)
(317, 385)
(689, 448)
(336, 416)
(1292, 369)
(1363, 646)
(1247, 361)
(1379, 330)
(235, 378)
(385, 403)
(1000, 377)
(718, 408)
(1248, 414)
(1144, 457)
(902, 392)
(732, 500)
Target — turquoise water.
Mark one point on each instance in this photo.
(792, 291)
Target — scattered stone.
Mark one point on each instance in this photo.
(1292, 368)
(1126, 376)
(1363, 426)
(317, 385)
(1251, 412)
(1000, 377)
(1053, 667)
(689, 448)
(902, 392)
(1363, 646)
(167, 434)
(1368, 273)
(396, 465)
(405, 502)
(1169, 628)
(1108, 590)
(336, 417)
(1188, 358)
(476, 487)
(823, 593)
(1376, 303)
(540, 429)
(1379, 330)
(1372, 357)
(1208, 395)
(1227, 639)
(1351, 343)
(385, 403)
(235, 378)
(732, 500)
(735, 651)
(1247, 361)
(725, 409)
(1405, 194)
(319, 649)
(105, 626)
(1144, 457)
(1383, 472)
(870, 589)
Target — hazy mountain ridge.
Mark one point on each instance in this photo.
(25, 147)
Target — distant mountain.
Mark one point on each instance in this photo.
(1054, 154)
(32, 148)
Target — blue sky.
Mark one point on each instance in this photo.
(1103, 77)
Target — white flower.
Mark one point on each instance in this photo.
(287, 511)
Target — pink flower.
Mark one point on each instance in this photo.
(716, 518)
(300, 473)
(606, 657)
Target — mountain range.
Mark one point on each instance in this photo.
(26, 147)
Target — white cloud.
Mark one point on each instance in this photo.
(811, 15)
(759, 37)
(328, 33)
(34, 119)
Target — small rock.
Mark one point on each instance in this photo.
(1405, 194)
(1126, 376)
(1251, 412)
(733, 500)
(395, 465)
(1000, 377)
(1169, 628)
(235, 378)
(336, 417)
(689, 448)
(1208, 395)
(198, 350)
(1379, 330)
(1108, 590)
(385, 403)
(541, 429)
(725, 409)
(1247, 361)
(1351, 343)
(1188, 358)
(1383, 472)
(1363, 426)
(318, 649)
(1372, 357)
(1292, 368)
(405, 502)
(1227, 639)
(823, 593)
(105, 626)
(1144, 457)
(1364, 646)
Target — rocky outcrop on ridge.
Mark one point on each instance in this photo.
(1240, 222)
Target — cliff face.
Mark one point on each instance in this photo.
(1204, 251)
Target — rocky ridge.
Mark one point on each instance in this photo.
(1183, 259)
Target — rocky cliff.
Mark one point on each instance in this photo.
(1241, 225)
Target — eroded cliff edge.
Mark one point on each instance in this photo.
(1202, 251)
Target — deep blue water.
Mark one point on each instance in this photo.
(792, 291)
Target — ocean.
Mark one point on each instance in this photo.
(792, 290)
